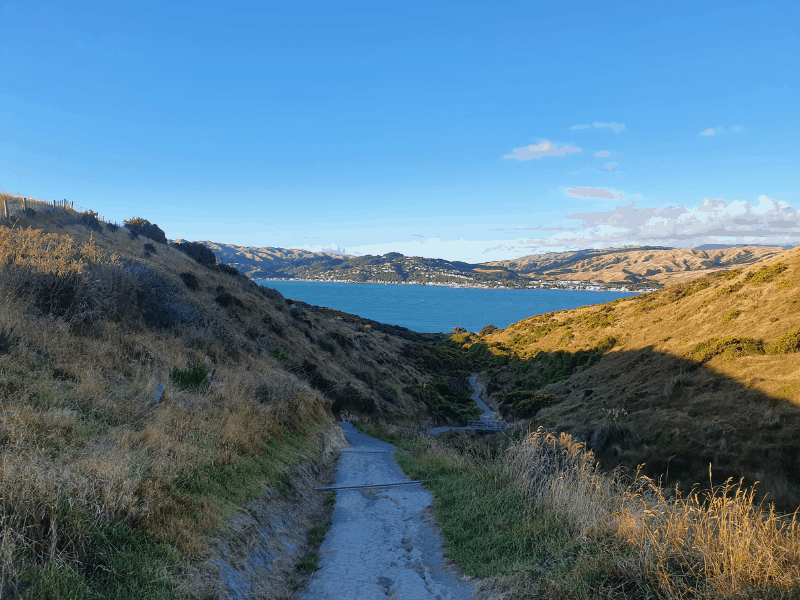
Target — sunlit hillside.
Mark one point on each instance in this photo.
(700, 373)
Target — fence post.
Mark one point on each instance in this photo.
(25, 205)
(5, 207)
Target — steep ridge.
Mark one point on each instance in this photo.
(700, 373)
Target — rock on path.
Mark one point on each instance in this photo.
(381, 543)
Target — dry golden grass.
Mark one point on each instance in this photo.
(715, 543)
(79, 434)
(92, 322)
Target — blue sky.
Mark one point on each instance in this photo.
(471, 131)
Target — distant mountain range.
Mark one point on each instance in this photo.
(632, 268)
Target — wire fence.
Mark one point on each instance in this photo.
(13, 206)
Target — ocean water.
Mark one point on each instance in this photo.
(437, 309)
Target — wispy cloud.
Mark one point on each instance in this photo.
(591, 192)
(719, 130)
(602, 154)
(617, 127)
(543, 149)
(610, 166)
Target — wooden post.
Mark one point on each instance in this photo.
(25, 205)
(5, 207)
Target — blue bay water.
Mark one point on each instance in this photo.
(437, 309)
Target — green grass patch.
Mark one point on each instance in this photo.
(492, 532)
(194, 379)
(124, 564)
(231, 485)
(318, 534)
(308, 564)
(384, 435)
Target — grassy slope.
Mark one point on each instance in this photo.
(657, 265)
(657, 398)
(103, 490)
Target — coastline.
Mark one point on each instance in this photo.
(570, 288)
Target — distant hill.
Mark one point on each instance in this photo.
(632, 268)
(637, 264)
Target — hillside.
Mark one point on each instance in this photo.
(632, 268)
(148, 395)
(637, 264)
(704, 372)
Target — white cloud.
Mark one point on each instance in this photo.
(617, 127)
(590, 192)
(707, 132)
(712, 222)
(602, 154)
(581, 127)
(610, 166)
(543, 149)
(330, 248)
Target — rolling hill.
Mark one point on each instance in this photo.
(632, 268)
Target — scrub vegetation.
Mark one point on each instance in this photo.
(109, 488)
(147, 393)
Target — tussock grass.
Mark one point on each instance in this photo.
(538, 514)
(102, 492)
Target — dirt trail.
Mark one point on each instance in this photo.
(383, 542)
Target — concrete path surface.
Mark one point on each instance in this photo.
(382, 543)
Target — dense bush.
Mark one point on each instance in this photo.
(198, 252)
(139, 226)
(487, 330)
(729, 346)
(786, 344)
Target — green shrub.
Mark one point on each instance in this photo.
(732, 347)
(534, 404)
(308, 564)
(479, 349)
(194, 379)
(278, 354)
(339, 338)
(487, 330)
(605, 344)
(786, 344)
(460, 338)
(730, 317)
(598, 319)
(766, 274)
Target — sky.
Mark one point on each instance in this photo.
(470, 131)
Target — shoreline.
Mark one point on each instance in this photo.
(466, 287)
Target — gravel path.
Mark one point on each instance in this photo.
(382, 543)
